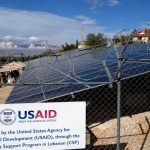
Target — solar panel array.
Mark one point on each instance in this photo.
(74, 71)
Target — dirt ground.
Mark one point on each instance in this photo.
(135, 132)
(4, 93)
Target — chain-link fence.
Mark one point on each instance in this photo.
(117, 105)
(101, 114)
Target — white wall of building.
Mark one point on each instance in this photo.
(145, 39)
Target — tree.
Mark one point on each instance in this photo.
(91, 40)
(68, 47)
(116, 40)
(122, 39)
(96, 39)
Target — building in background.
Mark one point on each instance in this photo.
(142, 36)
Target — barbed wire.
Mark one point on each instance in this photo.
(71, 70)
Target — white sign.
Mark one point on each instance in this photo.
(42, 126)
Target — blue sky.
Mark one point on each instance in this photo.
(59, 21)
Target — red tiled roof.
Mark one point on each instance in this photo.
(141, 35)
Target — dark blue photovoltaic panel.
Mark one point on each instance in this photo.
(73, 71)
(135, 69)
(30, 93)
(60, 91)
(31, 99)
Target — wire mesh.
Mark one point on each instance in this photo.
(95, 80)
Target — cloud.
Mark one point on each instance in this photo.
(98, 3)
(6, 45)
(113, 2)
(47, 26)
(86, 20)
(33, 38)
(12, 42)
(7, 37)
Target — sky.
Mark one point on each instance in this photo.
(59, 21)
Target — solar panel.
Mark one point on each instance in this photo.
(50, 77)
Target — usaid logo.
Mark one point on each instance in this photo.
(39, 114)
(7, 116)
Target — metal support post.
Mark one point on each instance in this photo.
(118, 105)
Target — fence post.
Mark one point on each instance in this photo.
(118, 101)
(119, 58)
